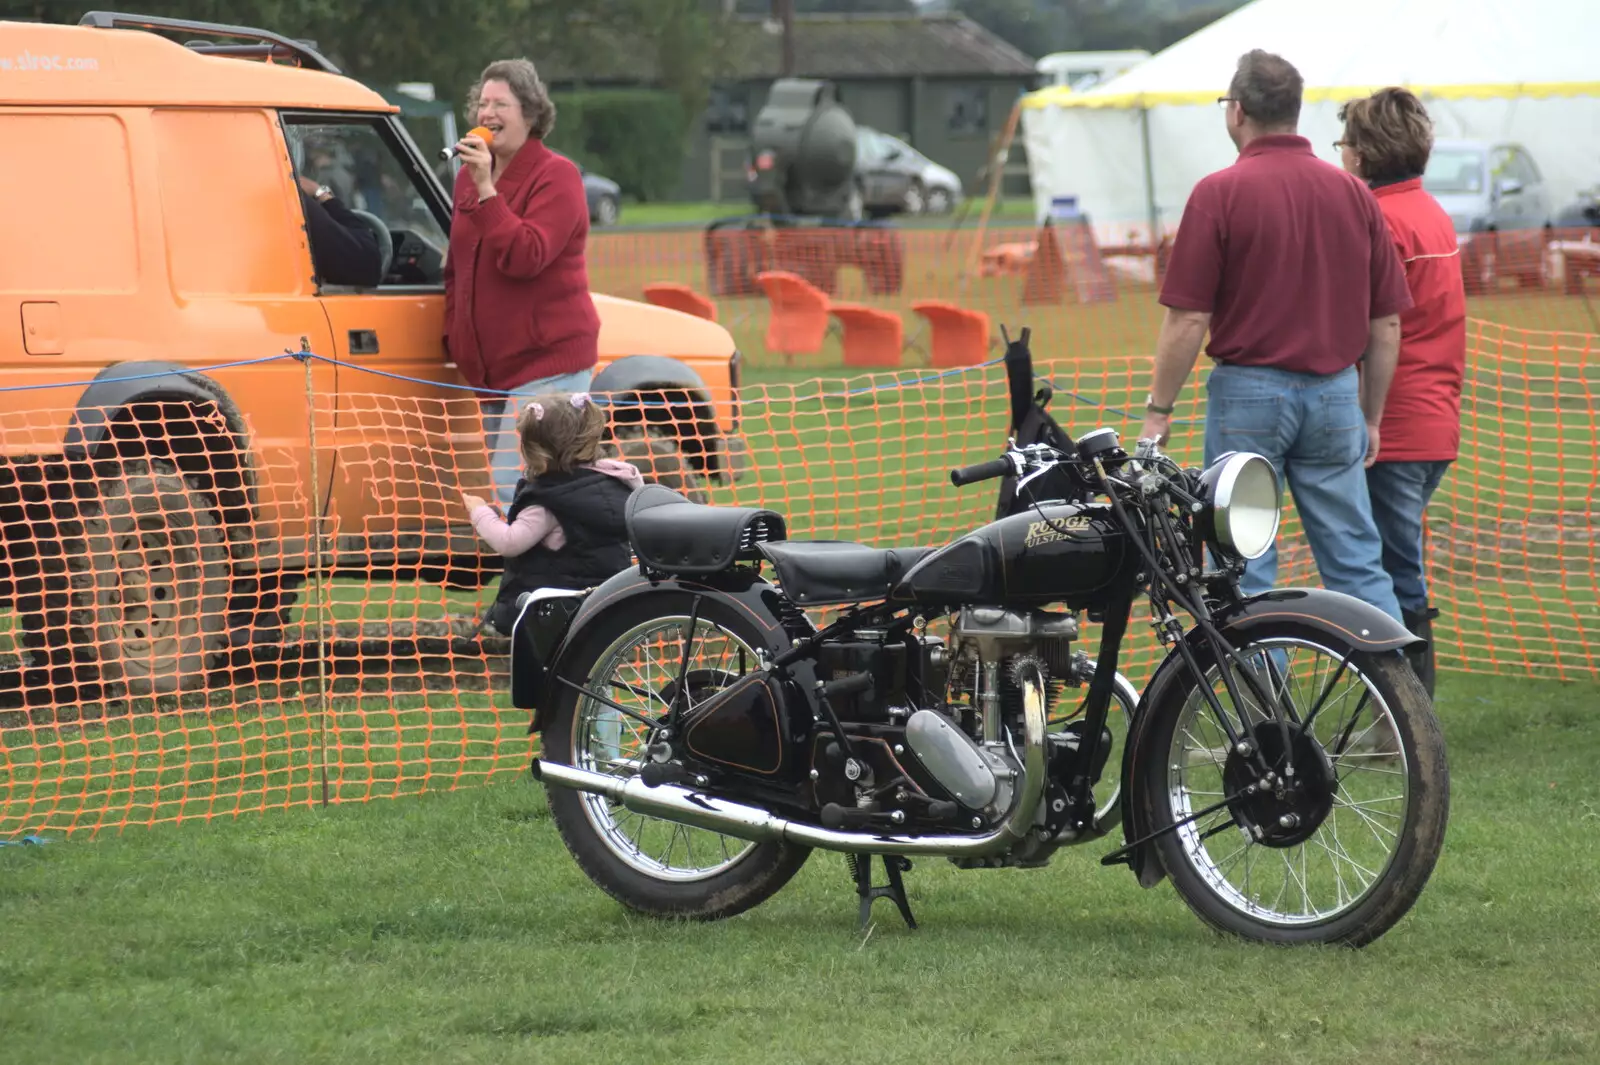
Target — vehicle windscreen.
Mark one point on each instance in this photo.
(1454, 171)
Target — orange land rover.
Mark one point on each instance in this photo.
(156, 520)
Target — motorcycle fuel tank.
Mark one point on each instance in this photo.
(1056, 553)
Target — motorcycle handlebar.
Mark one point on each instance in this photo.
(983, 471)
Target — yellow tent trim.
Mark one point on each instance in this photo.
(1062, 96)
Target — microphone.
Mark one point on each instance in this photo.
(476, 131)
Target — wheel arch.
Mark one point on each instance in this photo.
(217, 455)
(632, 379)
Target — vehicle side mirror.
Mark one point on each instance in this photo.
(1508, 186)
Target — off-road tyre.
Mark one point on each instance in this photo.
(147, 585)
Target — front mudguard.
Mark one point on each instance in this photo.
(1308, 612)
(742, 590)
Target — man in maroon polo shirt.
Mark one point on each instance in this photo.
(1287, 261)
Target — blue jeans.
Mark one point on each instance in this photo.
(1312, 430)
(1400, 492)
(500, 427)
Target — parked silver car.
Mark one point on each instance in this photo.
(892, 177)
(938, 187)
(1491, 189)
(1487, 187)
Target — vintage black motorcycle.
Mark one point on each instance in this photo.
(701, 735)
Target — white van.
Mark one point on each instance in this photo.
(1081, 71)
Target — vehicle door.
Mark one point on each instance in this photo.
(1507, 196)
(896, 176)
(883, 183)
(167, 235)
(407, 432)
(869, 166)
(903, 165)
(1536, 196)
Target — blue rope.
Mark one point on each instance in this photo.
(907, 384)
(25, 841)
(147, 376)
(889, 386)
(1091, 402)
(403, 377)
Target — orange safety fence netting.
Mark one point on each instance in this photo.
(177, 647)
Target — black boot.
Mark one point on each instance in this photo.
(1421, 658)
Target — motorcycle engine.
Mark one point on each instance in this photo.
(935, 734)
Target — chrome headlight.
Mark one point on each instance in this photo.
(1243, 502)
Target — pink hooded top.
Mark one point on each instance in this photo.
(535, 525)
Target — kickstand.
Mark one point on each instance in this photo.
(893, 865)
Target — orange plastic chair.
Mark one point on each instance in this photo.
(960, 335)
(872, 337)
(680, 298)
(799, 317)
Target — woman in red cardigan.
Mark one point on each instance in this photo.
(1387, 140)
(518, 315)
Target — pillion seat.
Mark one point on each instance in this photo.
(672, 535)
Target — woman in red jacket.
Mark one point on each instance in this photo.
(518, 316)
(1387, 140)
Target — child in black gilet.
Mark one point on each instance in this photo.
(566, 527)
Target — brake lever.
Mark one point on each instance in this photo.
(1148, 449)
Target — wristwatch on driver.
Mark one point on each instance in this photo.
(323, 194)
(1150, 405)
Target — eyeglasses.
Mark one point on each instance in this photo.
(1224, 101)
(1337, 145)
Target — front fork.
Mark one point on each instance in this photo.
(1097, 709)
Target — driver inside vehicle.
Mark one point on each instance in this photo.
(344, 250)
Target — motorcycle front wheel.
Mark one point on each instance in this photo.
(652, 866)
(1336, 850)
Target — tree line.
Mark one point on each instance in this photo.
(447, 42)
(634, 135)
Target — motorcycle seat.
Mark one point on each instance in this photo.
(670, 534)
(817, 572)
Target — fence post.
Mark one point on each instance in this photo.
(314, 521)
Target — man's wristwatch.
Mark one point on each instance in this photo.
(323, 194)
(1151, 408)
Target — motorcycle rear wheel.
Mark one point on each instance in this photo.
(652, 866)
(1344, 857)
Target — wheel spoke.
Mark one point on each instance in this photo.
(681, 654)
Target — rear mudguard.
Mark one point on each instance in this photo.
(1308, 612)
(743, 591)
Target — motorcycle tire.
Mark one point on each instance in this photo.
(754, 875)
(1202, 870)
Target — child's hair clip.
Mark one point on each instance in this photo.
(538, 410)
(579, 399)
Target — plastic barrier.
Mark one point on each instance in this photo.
(208, 617)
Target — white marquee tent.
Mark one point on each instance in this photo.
(1130, 150)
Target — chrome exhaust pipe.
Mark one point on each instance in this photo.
(672, 803)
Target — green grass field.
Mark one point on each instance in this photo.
(455, 928)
